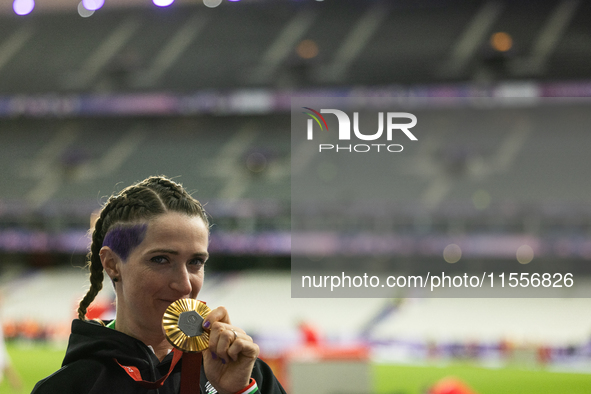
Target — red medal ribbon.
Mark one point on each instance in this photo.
(190, 374)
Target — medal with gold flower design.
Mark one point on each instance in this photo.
(182, 323)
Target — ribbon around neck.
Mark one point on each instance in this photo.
(190, 373)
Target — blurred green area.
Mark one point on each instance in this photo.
(33, 362)
(36, 361)
(398, 379)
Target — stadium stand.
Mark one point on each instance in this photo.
(88, 105)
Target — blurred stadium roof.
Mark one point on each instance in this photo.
(51, 6)
(291, 44)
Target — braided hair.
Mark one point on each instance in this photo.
(140, 202)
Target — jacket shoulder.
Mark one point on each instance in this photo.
(75, 378)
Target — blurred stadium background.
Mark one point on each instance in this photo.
(94, 100)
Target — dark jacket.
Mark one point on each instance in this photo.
(89, 366)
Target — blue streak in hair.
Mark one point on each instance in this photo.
(123, 239)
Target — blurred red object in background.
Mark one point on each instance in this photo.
(451, 385)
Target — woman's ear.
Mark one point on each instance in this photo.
(111, 262)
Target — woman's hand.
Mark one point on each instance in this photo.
(229, 360)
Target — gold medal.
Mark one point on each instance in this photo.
(183, 325)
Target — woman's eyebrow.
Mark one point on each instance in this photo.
(174, 252)
(169, 251)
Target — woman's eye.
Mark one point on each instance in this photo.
(197, 262)
(159, 259)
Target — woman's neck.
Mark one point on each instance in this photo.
(153, 338)
(162, 351)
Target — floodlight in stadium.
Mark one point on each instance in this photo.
(163, 3)
(452, 253)
(525, 254)
(23, 7)
(83, 12)
(307, 49)
(93, 5)
(501, 41)
(212, 3)
(256, 162)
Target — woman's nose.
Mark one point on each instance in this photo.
(180, 281)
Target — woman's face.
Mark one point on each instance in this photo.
(167, 265)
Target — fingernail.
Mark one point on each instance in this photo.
(206, 324)
(213, 355)
(223, 361)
